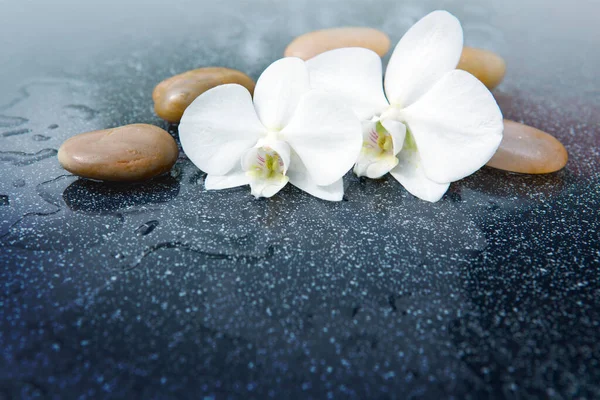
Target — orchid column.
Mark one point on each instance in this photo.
(437, 124)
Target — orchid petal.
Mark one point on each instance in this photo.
(397, 131)
(300, 177)
(430, 49)
(326, 135)
(410, 173)
(218, 127)
(457, 127)
(354, 74)
(234, 178)
(374, 168)
(279, 90)
(268, 188)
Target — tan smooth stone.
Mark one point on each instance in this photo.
(173, 95)
(313, 43)
(528, 150)
(485, 65)
(127, 153)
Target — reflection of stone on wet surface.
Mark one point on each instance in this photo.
(511, 185)
(21, 158)
(98, 197)
(15, 132)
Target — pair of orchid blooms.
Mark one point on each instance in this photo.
(310, 122)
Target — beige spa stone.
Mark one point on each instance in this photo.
(313, 43)
(173, 95)
(528, 150)
(485, 65)
(127, 153)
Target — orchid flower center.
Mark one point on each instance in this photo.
(379, 140)
(267, 165)
(265, 168)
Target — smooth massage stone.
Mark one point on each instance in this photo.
(528, 150)
(486, 66)
(313, 43)
(173, 95)
(127, 153)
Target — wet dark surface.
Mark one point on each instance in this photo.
(164, 290)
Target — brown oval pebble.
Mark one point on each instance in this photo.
(485, 65)
(313, 43)
(127, 153)
(173, 95)
(528, 150)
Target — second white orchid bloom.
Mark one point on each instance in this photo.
(440, 124)
(289, 133)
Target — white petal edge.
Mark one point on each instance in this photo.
(218, 127)
(300, 178)
(278, 91)
(431, 48)
(355, 75)
(409, 172)
(457, 127)
(379, 168)
(326, 135)
(234, 178)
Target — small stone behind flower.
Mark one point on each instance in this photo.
(127, 153)
(314, 43)
(528, 150)
(485, 65)
(173, 95)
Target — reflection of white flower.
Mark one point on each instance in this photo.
(290, 134)
(440, 124)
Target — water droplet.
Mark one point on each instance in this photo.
(20, 158)
(147, 228)
(10, 122)
(80, 111)
(16, 132)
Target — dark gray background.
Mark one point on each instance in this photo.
(164, 290)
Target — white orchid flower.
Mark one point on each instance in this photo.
(290, 133)
(440, 124)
